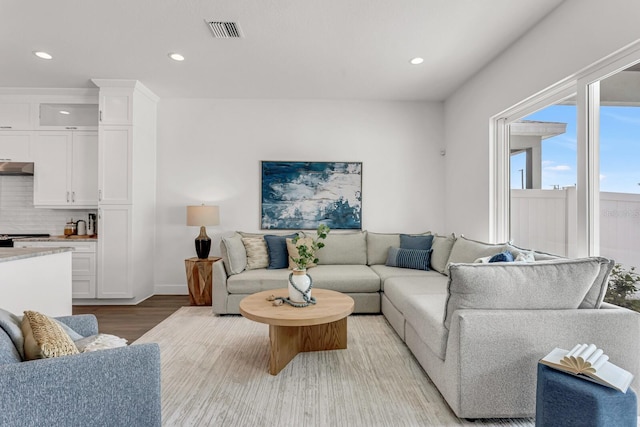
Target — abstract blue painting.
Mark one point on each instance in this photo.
(302, 195)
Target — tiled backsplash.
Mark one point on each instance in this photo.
(17, 214)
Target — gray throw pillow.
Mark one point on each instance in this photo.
(557, 284)
(234, 254)
(441, 246)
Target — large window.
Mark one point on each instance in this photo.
(566, 177)
(618, 142)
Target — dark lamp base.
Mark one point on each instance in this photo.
(203, 244)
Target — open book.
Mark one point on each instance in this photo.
(590, 363)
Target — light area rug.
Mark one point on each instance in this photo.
(215, 372)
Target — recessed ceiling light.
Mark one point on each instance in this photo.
(176, 57)
(64, 112)
(417, 60)
(42, 55)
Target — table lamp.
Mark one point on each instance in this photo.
(202, 216)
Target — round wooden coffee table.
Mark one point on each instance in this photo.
(292, 330)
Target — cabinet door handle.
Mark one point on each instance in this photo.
(73, 196)
(6, 127)
(99, 213)
(5, 160)
(67, 197)
(100, 113)
(71, 127)
(99, 195)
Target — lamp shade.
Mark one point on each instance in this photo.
(203, 215)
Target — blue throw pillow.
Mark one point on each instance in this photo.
(505, 256)
(416, 259)
(422, 242)
(277, 250)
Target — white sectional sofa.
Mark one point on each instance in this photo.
(477, 329)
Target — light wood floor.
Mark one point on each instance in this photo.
(132, 321)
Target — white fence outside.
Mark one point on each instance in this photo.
(545, 220)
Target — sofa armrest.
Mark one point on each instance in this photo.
(84, 324)
(219, 292)
(118, 386)
(498, 350)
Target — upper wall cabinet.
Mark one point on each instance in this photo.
(16, 116)
(15, 146)
(68, 116)
(116, 102)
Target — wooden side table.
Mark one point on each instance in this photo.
(199, 279)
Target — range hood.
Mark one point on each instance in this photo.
(16, 168)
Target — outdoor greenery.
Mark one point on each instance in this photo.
(623, 284)
(306, 253)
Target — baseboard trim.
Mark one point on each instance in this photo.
(180, 289)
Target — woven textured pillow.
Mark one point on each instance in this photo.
(257, 255)
(44, 337)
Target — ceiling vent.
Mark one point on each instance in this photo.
(225, 30)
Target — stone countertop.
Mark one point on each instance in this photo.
(75, 238)
(13, 254)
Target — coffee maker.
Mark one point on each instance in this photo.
(92, 225)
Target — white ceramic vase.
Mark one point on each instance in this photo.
(302, 282)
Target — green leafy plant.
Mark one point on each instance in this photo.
(623, 284)
(307, 253)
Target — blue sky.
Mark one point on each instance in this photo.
(619, 149)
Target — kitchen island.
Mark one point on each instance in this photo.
(36, 279)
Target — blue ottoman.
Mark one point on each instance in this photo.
(565, 400)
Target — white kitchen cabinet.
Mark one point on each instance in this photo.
(16, 146)
(65, 169)
(67, 116)
(126, 189)
(83, 263)
(16, 115)
(115, 101)
(115, 252)
(115, 165)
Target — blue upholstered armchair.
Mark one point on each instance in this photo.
(115, 387)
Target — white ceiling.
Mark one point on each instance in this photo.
(356, 49)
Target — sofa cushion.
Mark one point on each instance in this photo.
(44, 337)
(343, 278)
(556, 284)
(234, 255)
(409, 258)
(344, 248)
(441, 251)
(425, 313)
(277, 249)
(378, 245)
(11, 340)
(257, 255)
(416, 241)
(466, 250)
(400, 290)
(385, 272)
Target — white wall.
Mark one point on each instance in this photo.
(574, 36)
(210, 151)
